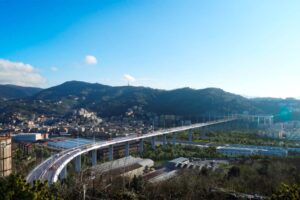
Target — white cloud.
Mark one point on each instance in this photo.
(91, 60)
(19, 73)
(54, 69)
(129, 78)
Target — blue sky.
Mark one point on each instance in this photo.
(246, 47)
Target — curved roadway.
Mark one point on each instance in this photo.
(52, 167)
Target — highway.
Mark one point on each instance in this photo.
(51, 168)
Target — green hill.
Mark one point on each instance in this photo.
(14, 91)
(114, 101)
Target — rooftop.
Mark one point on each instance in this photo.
(179, 160)
(4, 137)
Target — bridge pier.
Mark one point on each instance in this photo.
(94, 157)
(63, 173)
(174, 139)
(271, 121)
(111, 153)
(190, 136)
(127, 149)
(141, 146)
(164, 140)
(153, 142)
(78, 163)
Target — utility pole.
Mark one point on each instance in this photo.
(84, 191)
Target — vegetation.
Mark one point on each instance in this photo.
(14, 91)
(239, 136)
(169, 152)
(23, 162)
(109, 101)
(287, 192)
(263, 177)
(14, 187)
(277, 178)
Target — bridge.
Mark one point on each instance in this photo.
(260, 119)
(56, 165)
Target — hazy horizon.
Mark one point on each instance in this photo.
(243, 95)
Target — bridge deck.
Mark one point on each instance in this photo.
(52, 167)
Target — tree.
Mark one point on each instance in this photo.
(204, 171)
(233, 172)
(287, 192)
(136, 184)
(15, 187)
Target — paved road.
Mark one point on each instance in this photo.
(51, 168)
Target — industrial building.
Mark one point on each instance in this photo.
(251, 150)
(29, 137)
(173, 164)
(195, 163)
(68, 143)
(166, 175)
(128, 166)
(5, 156)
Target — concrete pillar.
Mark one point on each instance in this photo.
(258, 120)
(94, 157)
(78, 163)
(127, 149)
(174, 139)
(153, 142)
(164, 140)
(63, 173)
(271, 120)
(111, 153)
(141, 146)
(190, 136)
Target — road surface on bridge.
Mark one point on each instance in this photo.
(51, 168)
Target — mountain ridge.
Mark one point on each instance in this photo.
(9, 91)
(116, 100)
